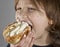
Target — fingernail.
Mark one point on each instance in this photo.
(24, 36)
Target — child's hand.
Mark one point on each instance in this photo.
(26, 41)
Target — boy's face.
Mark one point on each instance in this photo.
(27, 11)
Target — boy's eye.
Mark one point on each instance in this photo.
(31, 9)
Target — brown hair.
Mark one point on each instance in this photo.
(52, 9)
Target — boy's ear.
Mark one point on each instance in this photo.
(50, 22)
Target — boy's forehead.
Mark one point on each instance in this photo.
(25, 3)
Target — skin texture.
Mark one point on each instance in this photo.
(28, 12)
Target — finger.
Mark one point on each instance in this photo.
(24, 39)
(28, 40)
(21, 42)
(32, 42)
(11, 45)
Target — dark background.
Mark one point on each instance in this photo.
(7, 15)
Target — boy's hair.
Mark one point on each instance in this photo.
(52, 9)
